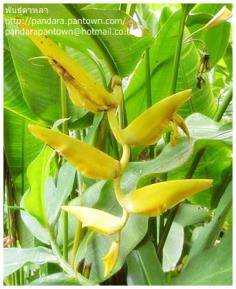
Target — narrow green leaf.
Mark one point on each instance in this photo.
(150, 264)
(55, 279)
(135, 275)
(56, 195)
(210, 231)
(15, 258)
(37, 174)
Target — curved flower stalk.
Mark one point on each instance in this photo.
(98, 220)
(153, 200)
(148, 128)
(110, 259)
(90, 161)
(83, 89)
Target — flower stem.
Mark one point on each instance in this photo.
(114, 125)
(164, 233)
(64, 265)
(64, 114)
(118, 192)
(178, 49)
(220, 112)
(78, 235)
(172, 213)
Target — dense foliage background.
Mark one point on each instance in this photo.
(197, 246)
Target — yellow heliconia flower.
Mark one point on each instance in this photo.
(111, 258)
(90, 161)
(83, 89)
(153, 200)
(97, 220)
(148, 128)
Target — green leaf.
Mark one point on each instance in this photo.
(189, 214)
(173, 247)
(149, 263)
(210, 267)
(39, 83)
(216, 49)
(161, 67)
(135, 275)
(35, 228)
(55, 279)
(126, 50)
(37, 174)
(20, 148)
(83, 122)
(210, 231)
(13, 99)
(56, 195)
(15, 258)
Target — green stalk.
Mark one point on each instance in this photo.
(122, 113)
(148, 79)
(64, 114)
(123, 7)
(78, 235)
(152, 221)
(164, 231)
(64, 265)
(132, 9)
(220, 112)
(64, 111)
(178, 49)
(173, 211)
(149, 92)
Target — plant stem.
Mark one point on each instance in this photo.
(149, 93)
(132, 9)
(78, 235)
(163, 235)
(64, 114)
(178, 49)
(166, 231)
(123, 7)
(64, 265)
(173, 211)
(152, 221)
(148, 79)
(220, 112)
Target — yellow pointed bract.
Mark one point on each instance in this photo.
(111, 258)
(153, 200)
(90, 161)
(148, 128)
(150, 125)
(83, 89)
(97, 220)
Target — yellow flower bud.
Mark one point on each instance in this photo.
(111, 258)
(97, 220)
(153, 200)
(83, 89)
(148, 128)
(90, 161)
